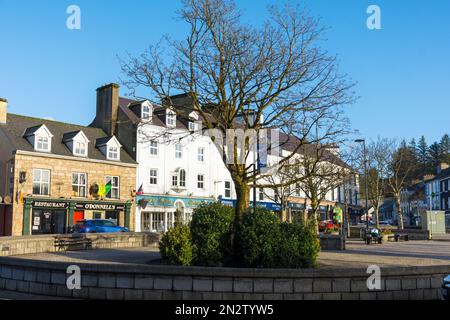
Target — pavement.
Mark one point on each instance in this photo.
(358, 254)
(389, 254)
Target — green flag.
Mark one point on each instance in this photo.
(108, 186)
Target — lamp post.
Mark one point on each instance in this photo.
(363, 141)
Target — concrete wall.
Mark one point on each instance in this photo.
(13, 246)
(153, 282)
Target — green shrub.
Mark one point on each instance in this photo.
(267, 243)
(257, 238)
(211, 229)
(176, 246)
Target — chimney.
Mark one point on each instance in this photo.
(3, 110)
(442, 166)
(107, 108)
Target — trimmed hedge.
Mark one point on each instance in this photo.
(211, 229)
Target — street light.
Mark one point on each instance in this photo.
(363, 141)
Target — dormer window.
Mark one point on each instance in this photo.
(171, 118)
(113, 153)
(77, 142)
(42, 144)
(110, 147)
(146, 112)
(192, 126)
(40, 138)
(80, 149)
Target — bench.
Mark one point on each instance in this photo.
(71, 242)
(398, 237)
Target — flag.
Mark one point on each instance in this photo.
(108, 186)
(140, 191)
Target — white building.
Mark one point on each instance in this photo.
(177, 168)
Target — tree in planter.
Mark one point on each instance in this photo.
(275, 76)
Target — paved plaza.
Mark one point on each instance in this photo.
(358, 254)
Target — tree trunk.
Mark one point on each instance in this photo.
(377, 216)
(242, 205)
(399, 212)
(315, 209)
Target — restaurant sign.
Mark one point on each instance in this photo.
(49, 204)
(99, 206)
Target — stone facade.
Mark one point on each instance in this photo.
(61, 169)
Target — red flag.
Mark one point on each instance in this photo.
(141, 190)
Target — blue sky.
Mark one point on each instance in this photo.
(402, 71)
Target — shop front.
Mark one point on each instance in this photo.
(159, 213)
(271, 206)
(57, 216)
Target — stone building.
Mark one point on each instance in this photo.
(53, 174)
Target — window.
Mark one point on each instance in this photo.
(178, 151)
(193, 126)
(298, 190)
(79, 182)
(179, 179)
(171, 119)
(157, 221)
(175, 180)
(201, 154)
(42, 144)
(146, 113)
(227, 189)
(112, 187)
(200, 181)
(113, 153)
(80, 149)
(41, 182)
(182, 178)
(153, 148)
(153, 176)
(261, 194)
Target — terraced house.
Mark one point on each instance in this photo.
(53, 174)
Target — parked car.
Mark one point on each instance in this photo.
(326, 225)
(97, 226)
(446, 288)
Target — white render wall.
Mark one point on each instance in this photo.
(213, 169)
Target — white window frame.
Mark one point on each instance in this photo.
(42, 143)
(178, 151)
(171, 119)
(153, 147)
(227, 189)
(113, 187)
(79, 185)
(80, 148)
(201, 154)
(146, 113)
(41, 182)
(153, 176)
(112, 152)
(200, 181)
(261, 194)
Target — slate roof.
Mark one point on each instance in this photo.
(287, 142)
(17, 126)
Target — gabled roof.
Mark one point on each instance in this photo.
(32, 130)
(104, 141)
(72, 135)
(17, 125)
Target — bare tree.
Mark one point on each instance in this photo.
(277, 71)
(401, 167)
(377, 163)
